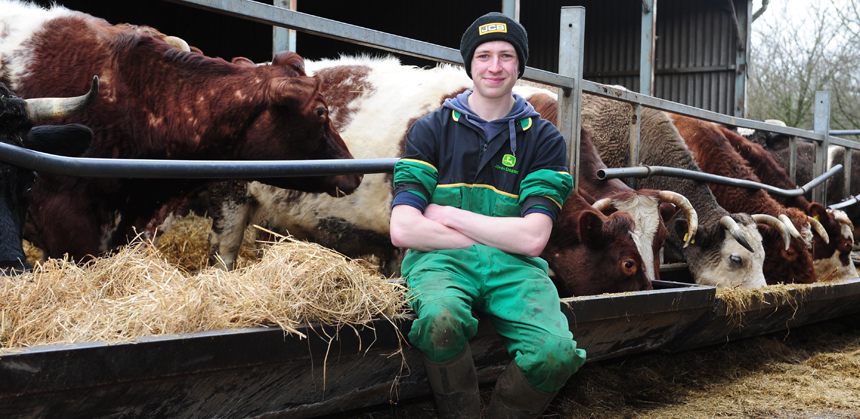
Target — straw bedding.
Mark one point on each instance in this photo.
(144, 291)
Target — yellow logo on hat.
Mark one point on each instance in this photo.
(492, 27)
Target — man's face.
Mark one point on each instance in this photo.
(494, 69)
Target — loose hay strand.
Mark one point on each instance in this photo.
(142, 290)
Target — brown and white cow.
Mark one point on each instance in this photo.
(727, 249)
(777, 145)
(714, 154)
(643, 205)
(156, 102)
(831, 257)
(374, 101)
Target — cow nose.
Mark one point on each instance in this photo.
(736, 260)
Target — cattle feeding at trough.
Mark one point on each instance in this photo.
(374, 101)
(643, 205)
(727, 249)
(17, 119)
(156, 102)
(714, 154)
(831, 257)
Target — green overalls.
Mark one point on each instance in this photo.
(447, 161)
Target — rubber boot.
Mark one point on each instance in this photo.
(455, 386)
(515, 398)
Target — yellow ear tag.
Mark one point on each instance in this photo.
(816, 218)
(687, 235)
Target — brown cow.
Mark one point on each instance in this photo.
(831, 257)
(714, 154)
(156, 102)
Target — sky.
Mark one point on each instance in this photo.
(797, 11)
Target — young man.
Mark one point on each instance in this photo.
(476, 194)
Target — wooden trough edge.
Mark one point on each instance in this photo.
(265, 373)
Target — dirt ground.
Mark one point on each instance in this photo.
(805, 373)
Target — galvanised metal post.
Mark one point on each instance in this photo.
(284, 39)
(792, 158)
(742, 52)
(846, 188)
(646, 48)
(511, 9)
(646, 79)
(821, 126)
(570, 54)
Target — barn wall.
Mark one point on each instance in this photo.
(695, 46)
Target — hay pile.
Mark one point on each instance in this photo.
(138, 292)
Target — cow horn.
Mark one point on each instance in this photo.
(45, 109)
(842, 217)
(684, 204)
(732, 226)
(775, 223)
(791, 228)
(819, 228)
(177, 42)
(602, 204)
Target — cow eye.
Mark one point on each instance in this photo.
(320, 111)
(628, 265)
(736, 260)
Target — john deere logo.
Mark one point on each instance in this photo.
(492, 27)
(509, 160)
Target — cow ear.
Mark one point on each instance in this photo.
(243, 62)
(72, 140)
(591, 229)
(294, 92)
(290, 60)
(679, 226)
(817, 211)
(667, 211)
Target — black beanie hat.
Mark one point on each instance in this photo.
(495, 26)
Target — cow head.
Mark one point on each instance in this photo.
(645, 206)
(787, 258)
(591, 253)
(832, 257)
(17, 117)
(296, 125)
(730, 251)
(772, 141)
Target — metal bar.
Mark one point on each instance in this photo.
(680, 70)
(844, 143)
(821, 125)
(276, 16)
(846, 203)
(646, 47)
(653, 102)
(635, 134)
(846, 188)
(743, 25)
(283, 39)
(511, 9)
(792, 158)
(187, 169)
(845, 132)
(647, 171)
(571, 44)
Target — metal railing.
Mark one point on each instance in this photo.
(568, 80)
